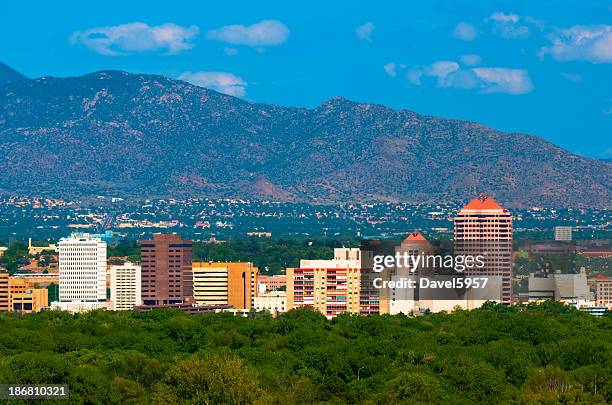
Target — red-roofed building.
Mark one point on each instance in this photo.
(484, 228)
(415, 236)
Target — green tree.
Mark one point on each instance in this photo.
(212, 379)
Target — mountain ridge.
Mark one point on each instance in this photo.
(148, 135)
(8, 74)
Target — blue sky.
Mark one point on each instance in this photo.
(540, 67)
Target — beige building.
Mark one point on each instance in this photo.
(273, 301)
(125, 287)
(568, 288)
(334, 286)
(603, 291)
(35, 250)
(225, 283)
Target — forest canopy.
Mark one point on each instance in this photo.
(537, 354)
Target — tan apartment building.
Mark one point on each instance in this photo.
(333, 286)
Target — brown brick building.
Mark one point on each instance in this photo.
(166, 275)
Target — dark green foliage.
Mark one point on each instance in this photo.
(275, 254)
(494, 355)
(15, 256)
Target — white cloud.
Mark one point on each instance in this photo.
(591, 43)
(509, 25)
(504, 80)
(465, 31)
(470, 60)
(442, 68)
(364, 32)
(136, 37)
(263, 33)
(485, 79)
(390, 69)
(223, 82)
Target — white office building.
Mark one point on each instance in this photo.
(125, 287)
(82, 273)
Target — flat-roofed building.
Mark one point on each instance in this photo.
(225, 283)
(335, 286)
(125, 287)
(82, 272)
(603, 291)
(166, 273)
(273, 301)
(568, 288)
(28, 300)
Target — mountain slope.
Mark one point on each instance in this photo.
(117, 133)
(8, 74)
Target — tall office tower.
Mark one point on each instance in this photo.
(332, 287)
(225, 283)
(166, 275)
(563, 233)
(125, 287)
(484, 228)
(4, 292)
(82, 272)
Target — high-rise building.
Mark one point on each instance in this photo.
(563, 233)
(166, 274)
(82, 272)
(332, 287)
(484, 228)
(225, 283)
(125, 287)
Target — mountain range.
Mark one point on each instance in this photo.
(137, 135)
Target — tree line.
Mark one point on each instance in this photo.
(535, 354)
